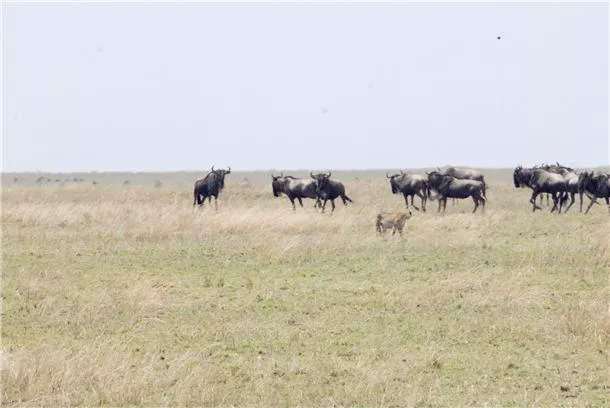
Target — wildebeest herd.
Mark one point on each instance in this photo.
(561, 183)
(558, 182)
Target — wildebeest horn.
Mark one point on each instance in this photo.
(228, 171)
(329, 174)
(401, 172)
(387, 174)
(212, 167)
(312, 176)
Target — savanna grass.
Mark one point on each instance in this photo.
(124, 295)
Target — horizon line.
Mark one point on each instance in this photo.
(277, 169)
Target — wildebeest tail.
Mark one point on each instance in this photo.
(348, 199)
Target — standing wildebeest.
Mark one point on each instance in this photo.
(462, 173)
(451, 187)
(328, 189)
(542, 181)
(210, 186)
(295, 188)
(410, 185)
(395, 220)
(596, 186)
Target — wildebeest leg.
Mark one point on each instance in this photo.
(593, 199)
(300, 201)
(294, 207)
(476, 204)
(324, 204)
(412, 204)
(580, 194)
(608, 203)
(346, 199)
(332, 203)
(424, 200)
(215, 202)
(406, 200)
(556, 201)
(572, 200)
(440, 203)
(533, 200)
(444, 204)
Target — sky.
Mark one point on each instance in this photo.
(170, 87)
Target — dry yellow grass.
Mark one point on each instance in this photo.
(124, 295)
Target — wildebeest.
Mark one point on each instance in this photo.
(393, 220)
(572, 180)
(596, 186)
(410, 185)
(450, 187)
(295, 188)
(328, 189)
(542, 181)
(210, 186)
(463, 173)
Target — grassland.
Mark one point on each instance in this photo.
(122, 295)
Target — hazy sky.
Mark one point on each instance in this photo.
(286, 86)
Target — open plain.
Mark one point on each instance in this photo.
(118, 293)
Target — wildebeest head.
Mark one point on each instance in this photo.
(220, 174)
(394, 181)
(518, 176)
(589, 181)
(277, 184)
(435, 179)
(322, 180)
(583, 180)
(522, 177)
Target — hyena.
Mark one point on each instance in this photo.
(395, 221)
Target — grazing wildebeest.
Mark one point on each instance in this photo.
(596, 186)
(210, 186)
(393, 220)
(328, 189)
(450, 187)
(542, 181)
(410, 185)
(295, 188)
